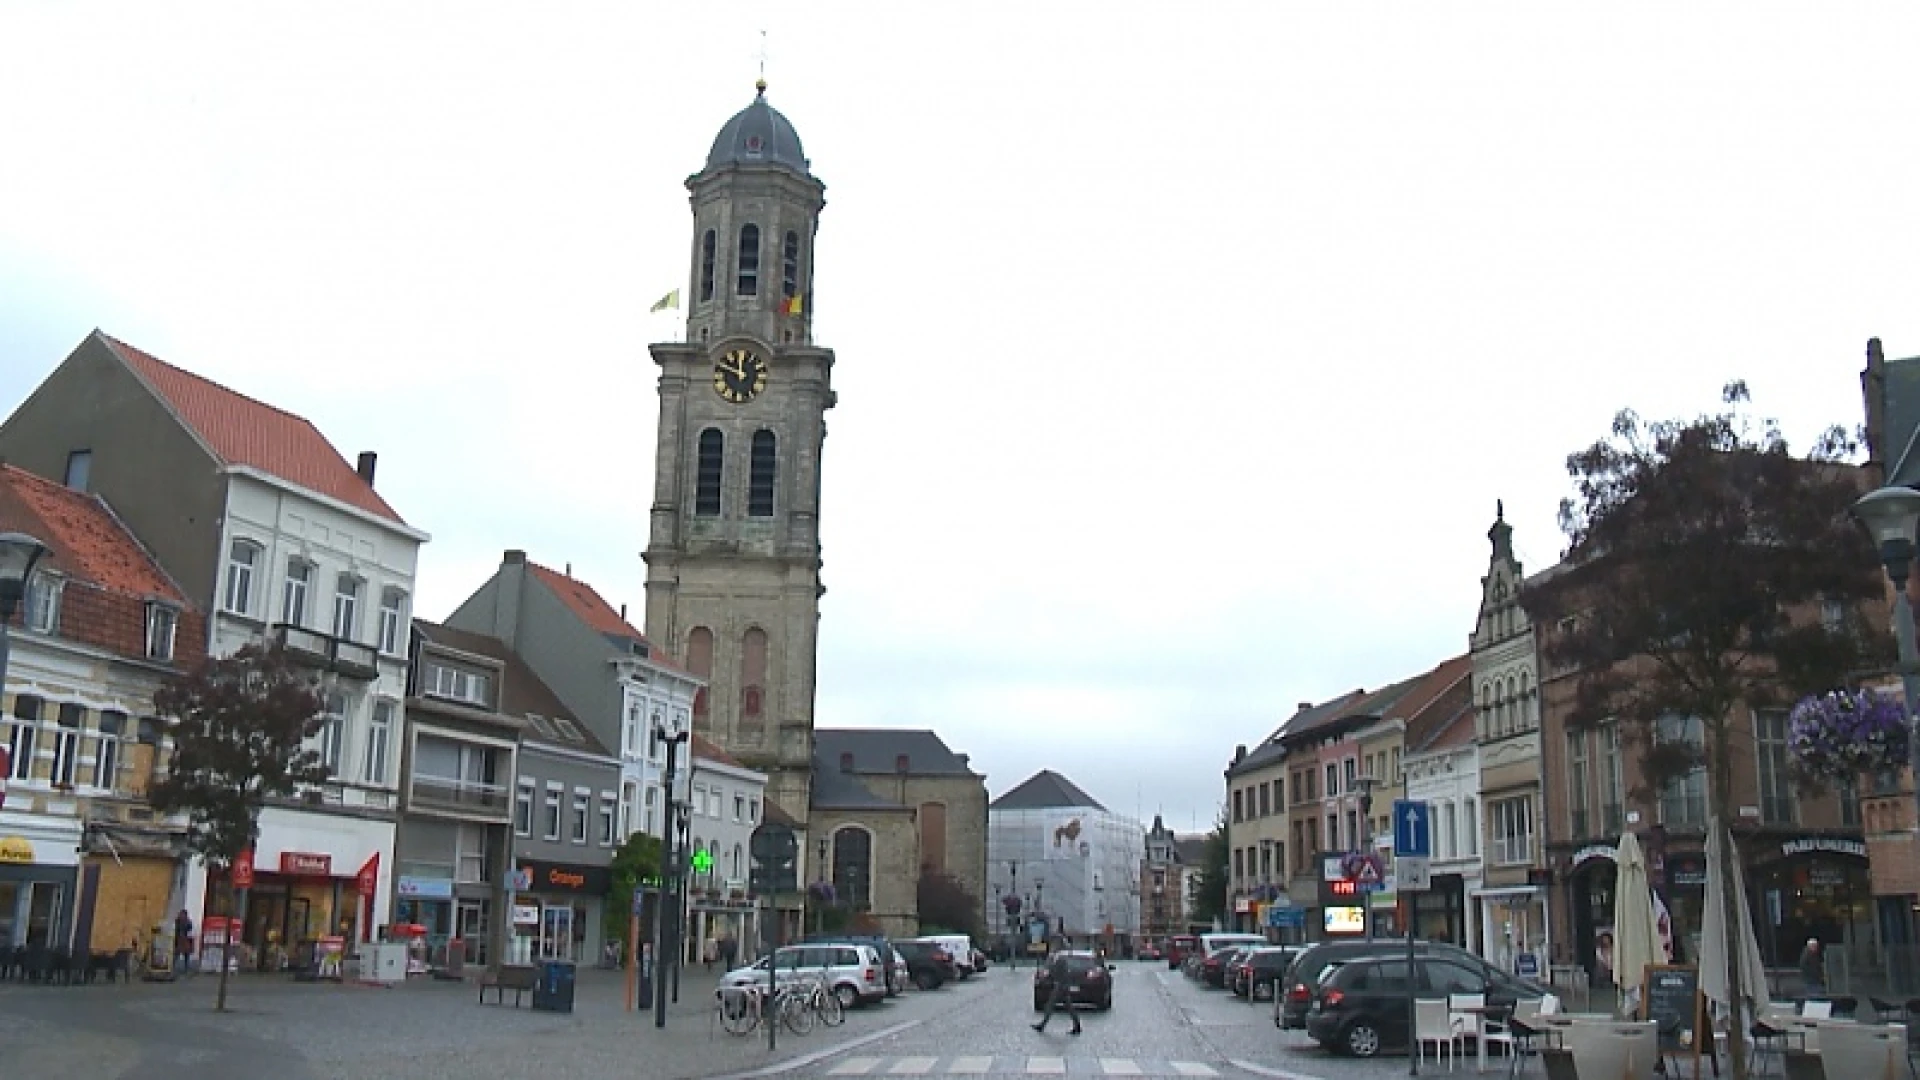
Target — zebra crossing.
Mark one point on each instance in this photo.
(1017, 1065)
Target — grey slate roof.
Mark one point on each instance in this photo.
(878, 750)
(1190, 850)
(758, 135)
(1046, 790)
(836, 790)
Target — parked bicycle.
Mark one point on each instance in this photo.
(743, 1009)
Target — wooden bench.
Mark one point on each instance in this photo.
(518, 978)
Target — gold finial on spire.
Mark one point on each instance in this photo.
(760, 84)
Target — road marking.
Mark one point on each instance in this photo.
(859, 1066)
(1119, 1067)
(912, 1066)
(972, 1065)
(1193, 1068)
(1046, 1065)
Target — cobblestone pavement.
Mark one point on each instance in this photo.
(281, 1030)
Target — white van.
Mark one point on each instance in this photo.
(960, 946)
(1209, 943)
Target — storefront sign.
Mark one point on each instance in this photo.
(242, 870)
(306, 864)
(367, 881)
(526, 915)
(16, 849)
(1346, 920)
(1595, 851)
(425, 888)
(567, 878)
(1824, 843)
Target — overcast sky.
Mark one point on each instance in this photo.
(1182, 350)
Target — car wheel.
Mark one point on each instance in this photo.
(1362, 1040)
(927, 980)
(849, 997)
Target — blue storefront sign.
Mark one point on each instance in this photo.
(1286, 918)
(425, 888)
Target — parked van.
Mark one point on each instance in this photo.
(959, 946)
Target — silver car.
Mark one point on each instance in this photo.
(856, 974)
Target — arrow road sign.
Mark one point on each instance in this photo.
(1412, 830)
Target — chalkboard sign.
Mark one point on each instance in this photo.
(1671, 998)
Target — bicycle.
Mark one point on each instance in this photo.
(824, 1002)
(743, 1009)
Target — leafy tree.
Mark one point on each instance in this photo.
(945, 904)
(636, 863)
(239, 724)
(1210, 905)
(1700, 557)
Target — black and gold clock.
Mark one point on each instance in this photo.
(740, 376)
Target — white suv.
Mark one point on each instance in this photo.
(855, 973)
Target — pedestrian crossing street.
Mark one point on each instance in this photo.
(1017, 1065)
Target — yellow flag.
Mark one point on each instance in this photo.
(671, 300)
(793, 305)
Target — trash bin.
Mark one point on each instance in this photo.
(554, 990)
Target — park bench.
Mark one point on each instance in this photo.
(518, 978)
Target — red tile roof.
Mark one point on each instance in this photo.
(591, 608)
(86, 540)
(242, 431)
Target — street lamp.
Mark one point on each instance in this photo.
(1892, 516)
(673, 876)
(18, 553)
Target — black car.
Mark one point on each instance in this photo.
(1261, 970)
(928, 964)
(1360, 1008)
(1213, 970)
(1290, 1006)
(1091, 981)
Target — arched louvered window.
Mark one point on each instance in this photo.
(749, 263)
(790, 266)
(706, 498)
(708, 244)
(763, 463)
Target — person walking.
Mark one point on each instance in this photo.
(728, 950)
(1058, 972)
(710, 952)
(182, 943)
(1813, 968)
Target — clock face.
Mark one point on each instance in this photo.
(740, 376)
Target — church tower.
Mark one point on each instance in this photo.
(733, 560)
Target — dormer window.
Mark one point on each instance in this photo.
(162, 621)
(456, 685)
(43, 603)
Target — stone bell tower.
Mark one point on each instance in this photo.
(733, 560)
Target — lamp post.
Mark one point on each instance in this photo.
(18, 553)
(819, 874)
(673, 872)
(1892, 517)
(1366, 834)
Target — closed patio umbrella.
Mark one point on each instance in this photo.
(1713, 937)
(1636, 938)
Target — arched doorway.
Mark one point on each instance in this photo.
(853, 867)
(1590, 890)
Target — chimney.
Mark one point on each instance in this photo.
(1240, 753)
(514, 557)
(1305, 705)
(623, 613)
(569, 571)
(365, 468)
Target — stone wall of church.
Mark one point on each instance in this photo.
(896, 862)
(965, 799)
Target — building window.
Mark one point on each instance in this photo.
(649, 801)
(629, 795)
(708, 472)
(762, 464)
(708, 243)
(293, 598)
(630, 742)
(346, 606)
(26, 719)
(933, 836)
(393, 605)
(379, 736)
(753, 678)
(161, 622)
(523, 809)
(1613, 792)
(456, 685)
(749, 265)
(606, 820)
(552, 823)
(1333, 781)
(1848, 793)
(1473, 831)
(1239, 804)
(80, 467)
(333, 731)
(1512, 831)
(106, 749)
(852, 865)
(66, 744)
(790, 265)
(1683, 800)
(580, 809)
(1352, 774)
(43, 603)
(1776, 768)
(1577, 783)
(241, 560)
(740, 808)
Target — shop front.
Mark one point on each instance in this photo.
(1590, 886)
(39, 861)
(1816, 887)
(1516, 929)
(314, 877)
(561, 910)
(721, 915)
(1440, 910)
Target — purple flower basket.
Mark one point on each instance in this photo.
(821, 892)
(1841, 734)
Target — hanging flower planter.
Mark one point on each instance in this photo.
(1841, 734)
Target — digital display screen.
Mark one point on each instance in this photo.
(1346, 920)
(1343, 888)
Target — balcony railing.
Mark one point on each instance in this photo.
(1512, 850)
(460, 796)
(349, 658)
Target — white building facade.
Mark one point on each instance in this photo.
(726, 801)
(656, 698)
(1077, 865)
(1447, 779)
(335, 584)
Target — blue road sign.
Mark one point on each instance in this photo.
(1412, 830)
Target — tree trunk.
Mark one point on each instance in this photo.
(1720, 799)
(235, 927)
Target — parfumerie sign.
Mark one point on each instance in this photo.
(1824, 843)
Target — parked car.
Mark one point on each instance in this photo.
(929, 965)
(896, 965)
(1290, 1007)
(1213, 970)
(1179, 947)
(1147, 952)
(1262, 969)
(1360, 1008)
(1092, 981)
(857, 974)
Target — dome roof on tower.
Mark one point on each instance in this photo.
(758, 135)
